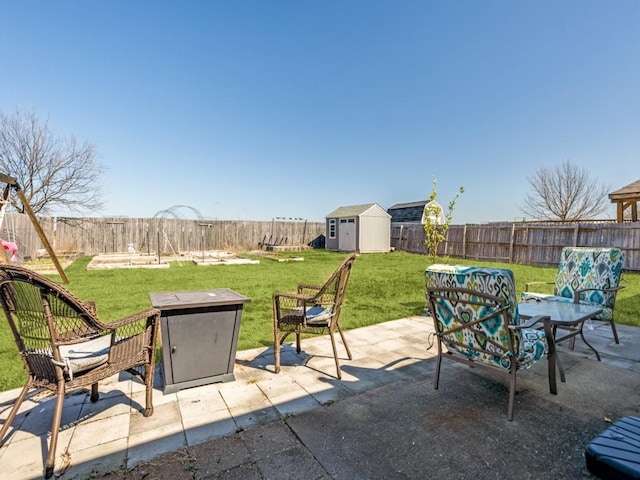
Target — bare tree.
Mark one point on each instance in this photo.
(564, 192)
(54, 173)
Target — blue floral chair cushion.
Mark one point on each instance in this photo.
(596, 270)
(529, 344)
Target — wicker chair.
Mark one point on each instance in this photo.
(314, 310)
(64, 346)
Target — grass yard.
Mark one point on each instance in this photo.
(382, 287)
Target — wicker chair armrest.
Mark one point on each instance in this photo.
(152, 314)
(528, 284)
(305, 289)
(293, 296)
(286, 301)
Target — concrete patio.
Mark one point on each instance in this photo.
(383, 420)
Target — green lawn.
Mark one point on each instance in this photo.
(383, 287)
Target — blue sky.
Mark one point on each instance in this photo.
(259, 109)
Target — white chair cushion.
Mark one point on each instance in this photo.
(319, 315)
(86, 355)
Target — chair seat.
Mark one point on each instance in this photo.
(319, 316)
(86, 355)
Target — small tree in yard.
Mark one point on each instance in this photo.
(436, 221)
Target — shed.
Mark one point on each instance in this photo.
(626, 197)
(360, 228)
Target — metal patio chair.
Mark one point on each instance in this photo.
(313, 310)
(64, 346)
(590, 276)
(476, 321)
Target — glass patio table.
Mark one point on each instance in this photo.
(564, 315)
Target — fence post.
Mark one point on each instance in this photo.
(464, 241)
(513, 230)
(576, 231)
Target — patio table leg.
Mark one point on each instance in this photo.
(587, 343)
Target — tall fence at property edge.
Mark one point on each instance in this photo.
(524, 242)
(92, 236)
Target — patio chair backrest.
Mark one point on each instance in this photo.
(25, 298)
(331, 293)
(493, 281)
(487, 281)
(597, 268)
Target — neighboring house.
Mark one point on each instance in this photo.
(407, 212)
(414, 212)
(359, 228)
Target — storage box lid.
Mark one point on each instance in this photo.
(198, 298)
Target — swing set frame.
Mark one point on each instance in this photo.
(26, 207)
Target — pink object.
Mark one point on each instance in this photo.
(12, 247)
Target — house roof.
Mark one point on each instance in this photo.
(352, 210)
(420, 203)
(625, 193)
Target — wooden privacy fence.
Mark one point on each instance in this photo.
(91, 236)
(523, 242)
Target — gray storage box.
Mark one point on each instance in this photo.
(199, 336)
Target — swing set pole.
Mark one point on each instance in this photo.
(34, 220)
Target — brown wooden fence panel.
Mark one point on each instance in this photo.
(91, 236)
(522, 242)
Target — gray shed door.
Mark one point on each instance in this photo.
(347, 235)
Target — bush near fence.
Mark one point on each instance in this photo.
(524, 242)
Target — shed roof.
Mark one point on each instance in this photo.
(353, 210)
(628, 192)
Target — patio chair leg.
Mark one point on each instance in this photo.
(615, 332)
(344, 342)
(436, 380)
(276, 352)
(14, 410)
(148, 380)
(335, 353)
(512, 393)
(55, 429)
(94, 392)
(588, 344)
